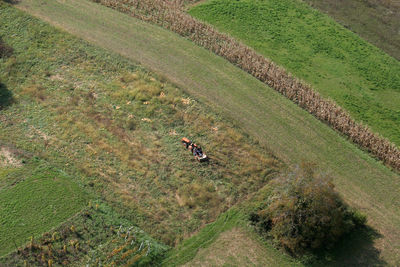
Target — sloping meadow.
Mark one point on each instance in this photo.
(88, 111)
(169, 14)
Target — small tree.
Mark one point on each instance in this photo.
(304, 213)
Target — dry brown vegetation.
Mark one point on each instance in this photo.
(169, 14)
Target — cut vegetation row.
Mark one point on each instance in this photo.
(274, 121)
(173, 18)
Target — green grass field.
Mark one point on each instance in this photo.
(35, 198)
(335, 61)
(288, 131)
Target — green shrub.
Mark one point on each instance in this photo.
(303, 213)
(5, 50)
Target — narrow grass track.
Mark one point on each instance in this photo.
(290, 132)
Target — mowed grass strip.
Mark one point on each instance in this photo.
(335, 61)
(35, 198)
(291, 133)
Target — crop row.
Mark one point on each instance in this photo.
(170, 15)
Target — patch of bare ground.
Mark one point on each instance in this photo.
(8, 159)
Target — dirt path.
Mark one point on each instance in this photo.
(290, 132)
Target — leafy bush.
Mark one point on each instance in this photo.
(5, 50)
(303, 213)
(5, 96)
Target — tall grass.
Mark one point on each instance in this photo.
(169, 14)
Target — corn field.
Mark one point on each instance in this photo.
(170, 15)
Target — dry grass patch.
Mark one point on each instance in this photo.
(8, 159)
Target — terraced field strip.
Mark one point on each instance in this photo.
(290, 132)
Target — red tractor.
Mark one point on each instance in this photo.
(196, 150)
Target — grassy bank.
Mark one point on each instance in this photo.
(275, 122)
(336, 62)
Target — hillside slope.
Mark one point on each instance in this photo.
(377, 21)
(338, 64)
(115, 128)
(291, 133)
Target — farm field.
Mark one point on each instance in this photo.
(335, 61)
(94, 112)
(291, 133)
(376, 21)
(96, 235)
(114, 129)
(34, 198)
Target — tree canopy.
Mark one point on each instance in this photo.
(303, 212)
